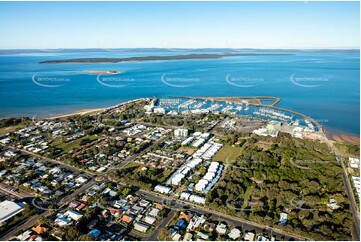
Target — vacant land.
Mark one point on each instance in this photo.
(297, 177)
(141, 175)
(187, 150)
(75, 144)
(227, 154)
(348, 149)
(10, 129)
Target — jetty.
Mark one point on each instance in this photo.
(255, 101)
(252, 100)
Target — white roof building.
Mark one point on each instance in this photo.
(357, 184)
(354, 162)
(150, 220)
(73, 215)
(154, 212)
(186, 170)
(159, 110)
(177, 179)
(62, 222)
(24, 236)
(181, 132)
(249, 236)
(162, 189)
(9, 209)
(201, 185)
(144, 203)
(55, 170)
(209, 176)
(221, 228)
(197, 199)
(194, 163)
(187, 141)
(185, 195)
(197, 134)
(5, 141)
(176, 237)
(198, 142)
(234, 234)
(141, 227)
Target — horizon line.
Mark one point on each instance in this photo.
(185, 48)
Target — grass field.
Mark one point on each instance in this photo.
(247, 196)
(9, 129)
(138, 167)
(132, 165)
(227, 154)
(188, 150)
(66, 147)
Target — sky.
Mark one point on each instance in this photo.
(300, 25)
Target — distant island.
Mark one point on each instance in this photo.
(153, 58)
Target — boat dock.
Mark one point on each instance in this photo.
(256, 101)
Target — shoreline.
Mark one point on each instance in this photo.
(340, 137)
(157, 58)
(79, 112)
(343, 137)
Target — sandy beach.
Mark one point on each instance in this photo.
(99, 72)
(343, 138)
(80, 112)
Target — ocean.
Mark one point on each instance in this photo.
(322, 84)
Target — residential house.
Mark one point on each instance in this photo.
(128, 218)
(209, 226)
(186, 215)
(188, 237)
(149, 220)
(181, 223)
(249, 236)
(141, 227)
(159, 206)
(154, 212)
(94, 233)
(203, 235)
(115, 211)
(221, 228)
(234, 234)
(176, 237)
(62, 222)
(39, 229)
(74, 215)
(283, 219)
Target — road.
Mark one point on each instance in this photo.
(349, 191)
(163, 224)
(62, 164)
(35, 218)
(156, 197)
(351, 196)
(19, 194)
(220, 216)
(132, 158)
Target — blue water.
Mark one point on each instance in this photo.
(324, 85)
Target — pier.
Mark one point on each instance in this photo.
(252, 100)
(255, 101)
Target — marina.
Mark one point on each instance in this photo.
(246, 106)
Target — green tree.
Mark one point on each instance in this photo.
(72, 233)
(126, 191)
(86, 237)
(164, 234)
